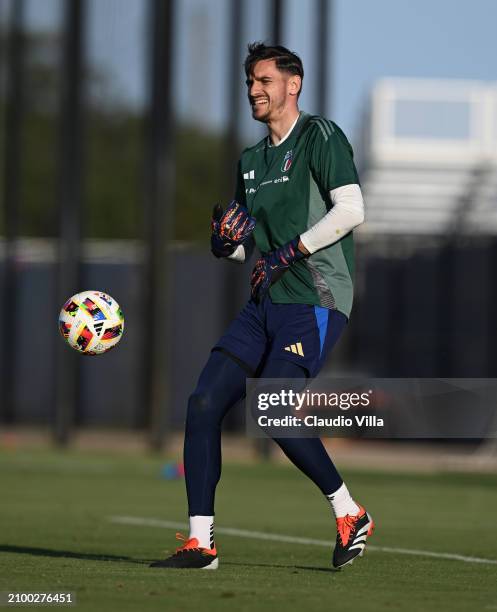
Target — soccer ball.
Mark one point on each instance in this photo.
(91, 322)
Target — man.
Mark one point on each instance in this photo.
(298, 198)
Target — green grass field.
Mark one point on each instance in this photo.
(56, 535)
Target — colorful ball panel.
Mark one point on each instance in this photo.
(91, 322)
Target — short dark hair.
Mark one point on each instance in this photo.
(286, 60)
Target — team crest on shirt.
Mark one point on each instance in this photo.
(287, 162)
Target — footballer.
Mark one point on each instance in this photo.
(297, 200)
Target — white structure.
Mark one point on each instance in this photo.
(428, 157)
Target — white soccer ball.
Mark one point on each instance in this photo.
(91, 322)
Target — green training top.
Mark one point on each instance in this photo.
(286, 188)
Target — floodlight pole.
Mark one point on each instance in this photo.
(234, 279)
(276, 22)
(159, 191)
(70, 202)
(235, 73)
(323, 52)
(11, 203)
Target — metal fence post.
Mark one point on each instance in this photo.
(70, 202)
(12, 204)
(159, 192)
(323, 63)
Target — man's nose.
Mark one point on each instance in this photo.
(254, 89)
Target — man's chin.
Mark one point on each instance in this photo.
(258, 116)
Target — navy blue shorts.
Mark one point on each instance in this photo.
(300, 333)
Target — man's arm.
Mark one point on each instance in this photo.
(346, 213)
(243, 252)
(331, 163)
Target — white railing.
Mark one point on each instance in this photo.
(433, 121)
(427, 146)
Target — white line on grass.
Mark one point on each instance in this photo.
(260, 535)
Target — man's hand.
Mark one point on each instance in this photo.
(230, 228)
(270, 267)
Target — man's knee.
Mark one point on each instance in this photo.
(199, 402)
(201, 412)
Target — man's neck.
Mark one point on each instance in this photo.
(279, 129)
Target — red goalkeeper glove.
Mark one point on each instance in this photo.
(270, 267)
(230, 228)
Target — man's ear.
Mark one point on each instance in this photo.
(294, 85)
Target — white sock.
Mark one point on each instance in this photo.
(342, 503)
(202, 528)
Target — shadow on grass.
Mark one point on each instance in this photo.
(66, 554)
(309, 568)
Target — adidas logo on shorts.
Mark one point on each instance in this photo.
(295, 348)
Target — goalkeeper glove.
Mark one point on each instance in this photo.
(270, 267)
(230, 228)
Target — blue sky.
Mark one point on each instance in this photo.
(410, 38)
(369, 39)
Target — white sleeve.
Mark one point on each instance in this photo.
(242, 254)
(346, 213)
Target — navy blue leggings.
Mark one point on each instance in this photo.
(220, 386)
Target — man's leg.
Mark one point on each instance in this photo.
(354, 524)
(220, 386)
(308, 454)
(236, 355)
(313, 332)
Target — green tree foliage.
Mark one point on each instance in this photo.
(200, 181)
(114, 153)
(114, 170)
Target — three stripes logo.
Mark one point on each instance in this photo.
(295, 348)
(360, 538)
(324, 125)
(249, 175)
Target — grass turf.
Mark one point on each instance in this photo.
(56, 536)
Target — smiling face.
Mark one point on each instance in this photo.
(271, 92)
